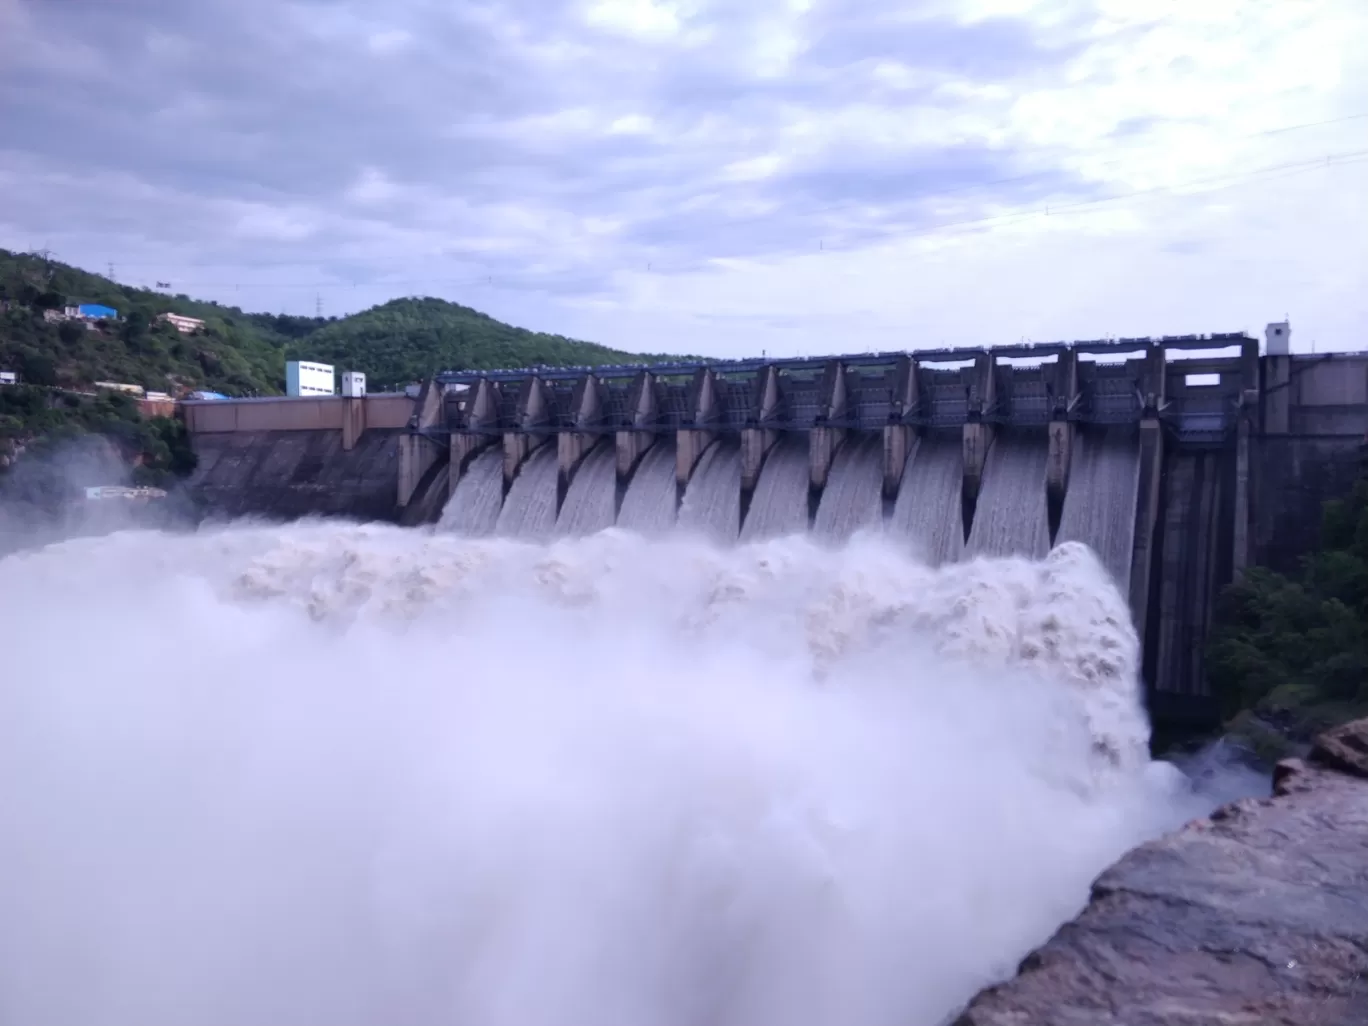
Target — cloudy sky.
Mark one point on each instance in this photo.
(799, 176)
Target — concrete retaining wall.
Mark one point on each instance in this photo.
(279, 413)
(289, 474)
(1310, 448)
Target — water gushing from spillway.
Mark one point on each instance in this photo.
(711, 506)
(529, 509)
(1012, 515)
(927, 515)
(591, 501)
(780, 503)
(474, 506)
(649, 505)
(330, 775)
(1099, 505)
(853, 497)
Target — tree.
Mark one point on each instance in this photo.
(135, 326)
(1288, 655)
(37, 368)
(72, 332)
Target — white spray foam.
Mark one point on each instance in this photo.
(329, 774)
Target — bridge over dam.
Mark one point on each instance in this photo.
(1178, 460)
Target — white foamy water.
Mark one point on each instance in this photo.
(927, 515)
(1011, 516)
(649, 506)
(780, 504)
(329, 775)
(712, 502)
(474, 506)
(591, 503)
(529, 509)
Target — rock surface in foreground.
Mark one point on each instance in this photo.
(1257, 916)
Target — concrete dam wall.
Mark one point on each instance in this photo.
(288, 458)
(285, 475)
(1178, 461)
(926, 509)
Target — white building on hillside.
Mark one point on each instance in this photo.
(185, 325)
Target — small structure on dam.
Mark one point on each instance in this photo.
(1178, 460)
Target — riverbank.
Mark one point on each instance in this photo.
(1255, 916)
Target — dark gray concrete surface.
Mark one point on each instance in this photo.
(290, 474)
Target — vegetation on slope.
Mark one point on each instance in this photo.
(156, 444)
(236, 353)
(239, 353)
(54, 443)
(1289, 654)
(406, 339)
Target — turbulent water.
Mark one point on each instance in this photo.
(649, 505)
(1099, 503)
(712, 501)
(529, 509)
(591, 501)
(779, 505)
(329, 775)
(853, 496)
(927, 516)
(1011, 516)
(474, 506)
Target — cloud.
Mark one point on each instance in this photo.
(705, 176)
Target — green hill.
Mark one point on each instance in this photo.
(241, 353)
(406, 339)
(236, 353)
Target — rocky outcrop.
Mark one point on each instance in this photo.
(1257, 916)
(1344, 748)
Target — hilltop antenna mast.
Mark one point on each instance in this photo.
(318, 304)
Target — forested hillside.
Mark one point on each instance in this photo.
(236, 353)
(1289, 654)
(240, 353)
(406, 339)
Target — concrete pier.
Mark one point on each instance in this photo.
(534, 423)
(826, 437)
(756, 438)
(978, 432)
(418, 451)
(1063, 398)
(480, 418)
(703, 420)
(586, 414)
(633, 439)
(900, 432)
(1151, 442)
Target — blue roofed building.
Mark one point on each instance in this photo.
(96, 312)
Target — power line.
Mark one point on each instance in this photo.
(1304, 124)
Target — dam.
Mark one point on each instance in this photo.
(1177, 460)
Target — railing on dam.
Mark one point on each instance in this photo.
(1100, 382)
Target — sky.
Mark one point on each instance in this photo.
(795, 177)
